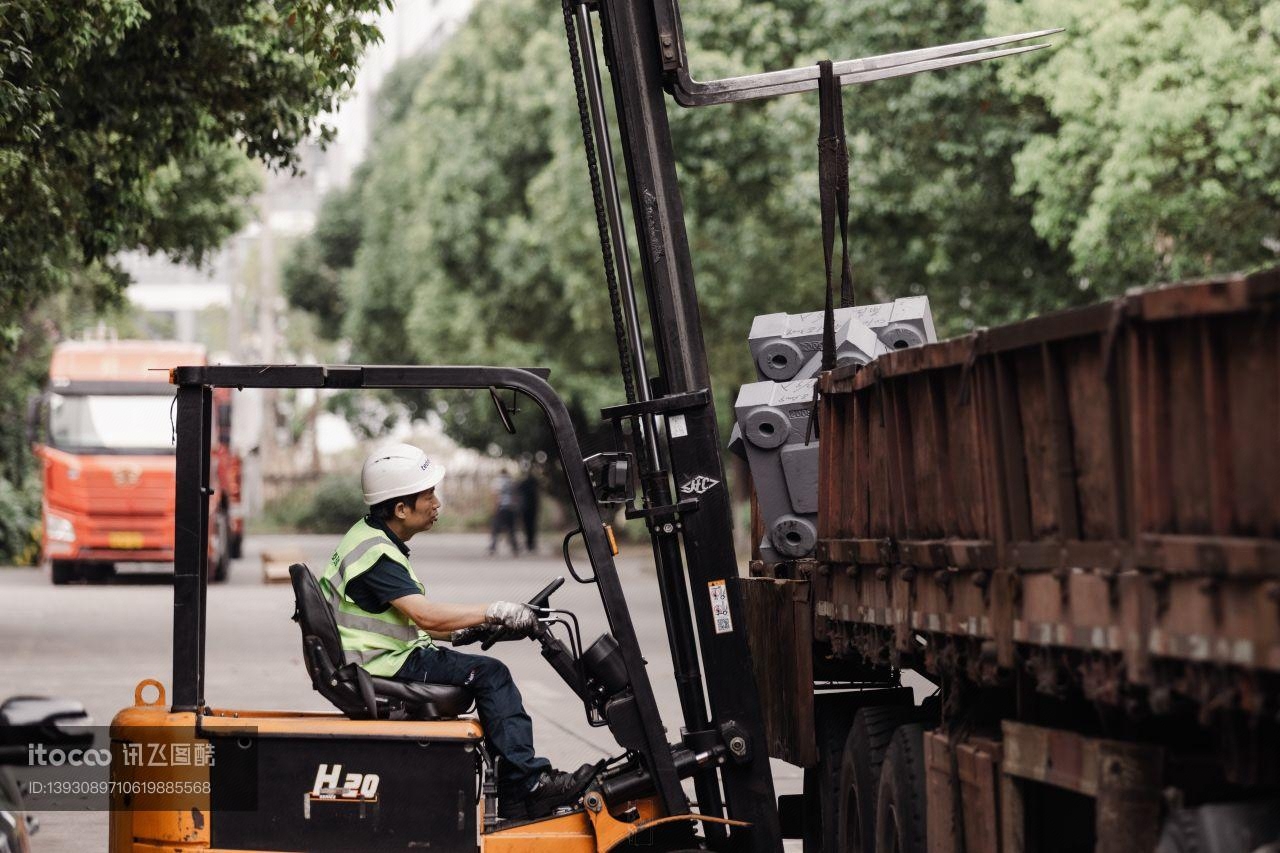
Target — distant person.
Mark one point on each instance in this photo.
(506, 505)
(528, 491)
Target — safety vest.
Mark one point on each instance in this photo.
(379, 642)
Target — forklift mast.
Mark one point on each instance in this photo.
(686, 502)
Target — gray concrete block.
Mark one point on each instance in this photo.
(774, 413)
(794, 536)
(800, 472)
(735, 445)
(783, 346)
(910, 325)
(774, 417)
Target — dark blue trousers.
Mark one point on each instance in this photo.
(508, 730)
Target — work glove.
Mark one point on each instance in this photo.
(517, 618)
(467, 636)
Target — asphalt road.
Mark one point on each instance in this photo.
(95, 643)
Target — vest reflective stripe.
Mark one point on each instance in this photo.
(380, 642)
(354, 559)
(372, 624)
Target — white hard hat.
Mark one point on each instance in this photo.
(397, 470)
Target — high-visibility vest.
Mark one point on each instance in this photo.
(379, 642)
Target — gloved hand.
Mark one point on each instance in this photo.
(467, 636)
(518, 618)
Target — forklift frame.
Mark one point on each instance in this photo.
(191, 570)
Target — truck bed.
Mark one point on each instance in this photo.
(1090, 499)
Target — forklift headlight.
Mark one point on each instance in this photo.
(59, 529)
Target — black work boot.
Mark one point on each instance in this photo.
(511, 806)
(555, 788)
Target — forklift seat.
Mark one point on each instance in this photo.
(347, 685)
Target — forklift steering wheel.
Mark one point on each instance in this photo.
(538, 602)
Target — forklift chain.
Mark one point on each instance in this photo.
(597, 198)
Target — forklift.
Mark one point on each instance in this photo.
(399, 766)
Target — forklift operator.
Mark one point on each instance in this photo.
(388, 624)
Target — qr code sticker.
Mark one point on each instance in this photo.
(720, 607)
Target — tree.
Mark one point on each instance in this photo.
(477, 237)
(133, 124)
(1162, 159)
(116, 117)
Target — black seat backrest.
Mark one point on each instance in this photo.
(314, 613)
(344, 684)
(352, 690)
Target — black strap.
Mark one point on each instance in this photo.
(833, 195)
(833, 189)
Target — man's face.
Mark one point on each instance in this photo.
(422, 515)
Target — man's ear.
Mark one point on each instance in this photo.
(401, 505)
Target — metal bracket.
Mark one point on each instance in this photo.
(658, 406)
(657, 513)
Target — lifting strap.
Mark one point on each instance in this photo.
(833, 195)
(833, 189)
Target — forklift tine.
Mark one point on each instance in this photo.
(690, 92)
(911, 57)
(934, 64)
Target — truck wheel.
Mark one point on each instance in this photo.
(97, 572)
(64, 572)
(222, 550)
(864, 752)
(821, 790)
(1222, 828)
(900, 805)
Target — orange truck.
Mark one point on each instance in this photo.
(103, 433)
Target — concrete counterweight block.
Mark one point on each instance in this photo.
(783, 346)
(773, 414)
(794, 536)
(773, 418)
(910, 325)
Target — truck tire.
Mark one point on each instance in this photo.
(63, 572)
(97, 572)
(1222, 828)
(221, 566)
(864, 752)
(900, 805)
(821, 792)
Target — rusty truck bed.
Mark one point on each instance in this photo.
(1104, 481)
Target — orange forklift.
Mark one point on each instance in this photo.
(399, 766)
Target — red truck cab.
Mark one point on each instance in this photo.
(105, 440)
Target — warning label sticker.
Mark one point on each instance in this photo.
(720, 607)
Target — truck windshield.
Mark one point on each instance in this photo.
(111, 422)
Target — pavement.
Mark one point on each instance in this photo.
(95, 643)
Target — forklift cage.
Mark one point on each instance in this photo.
(193, 422)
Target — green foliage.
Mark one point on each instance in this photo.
(1162, 160)
(1135, 139)
(132, 124)
(331, 504)
(19, 523)
(124, 124)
